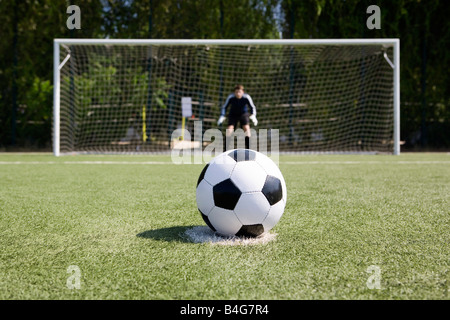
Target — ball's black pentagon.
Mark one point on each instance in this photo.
(202, 174)
(242, 155)
(208, 223)
(226, 194)
(253, 230)
(272, 190)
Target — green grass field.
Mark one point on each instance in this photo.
(120, 220)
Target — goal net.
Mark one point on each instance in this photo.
(321, 95)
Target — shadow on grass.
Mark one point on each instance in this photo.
(171, 234)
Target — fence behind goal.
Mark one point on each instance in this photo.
(322, 95)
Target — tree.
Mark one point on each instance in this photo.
(37, 25)
(423, 29)
(29, 27)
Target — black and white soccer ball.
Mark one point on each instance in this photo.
(241, 192)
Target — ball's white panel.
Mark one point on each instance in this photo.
(205, 198)
(224, 221)
(269, 166)
(272, 169)
(275, 213)
(219, 169)
(252, 208)
(248, 176)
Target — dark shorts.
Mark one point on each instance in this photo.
(243, 119)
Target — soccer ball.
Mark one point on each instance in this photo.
(241, 192)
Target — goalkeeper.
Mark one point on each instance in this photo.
(241, 109)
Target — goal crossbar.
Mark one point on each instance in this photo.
(387, 42)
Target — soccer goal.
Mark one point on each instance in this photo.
(125, 96)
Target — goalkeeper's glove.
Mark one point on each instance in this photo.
(253, 118)
(221, 119)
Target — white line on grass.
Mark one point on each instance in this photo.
(365, 162)
(171, 163)
(85, 162)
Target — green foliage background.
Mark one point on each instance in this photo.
(29, 27)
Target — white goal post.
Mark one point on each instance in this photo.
(70, 77)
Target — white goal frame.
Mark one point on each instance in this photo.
(57, 65)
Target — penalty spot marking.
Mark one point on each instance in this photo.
(203, 234)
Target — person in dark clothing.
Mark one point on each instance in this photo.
(241, 109)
